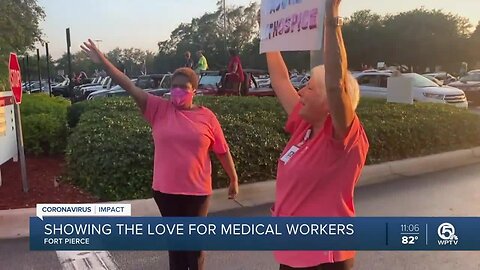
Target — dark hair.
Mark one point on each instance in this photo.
(232, 52)
(187, 53)
(189, 74)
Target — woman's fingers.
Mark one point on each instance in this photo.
(92, 44)
(85, 49)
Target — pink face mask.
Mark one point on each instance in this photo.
(180, 97)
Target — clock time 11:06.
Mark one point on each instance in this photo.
(410, 227)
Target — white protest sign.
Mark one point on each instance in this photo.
(291, 25)
(400, 89)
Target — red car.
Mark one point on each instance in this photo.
(213, 83)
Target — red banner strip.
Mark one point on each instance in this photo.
(5, 101)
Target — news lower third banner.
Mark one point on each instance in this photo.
(254, 233)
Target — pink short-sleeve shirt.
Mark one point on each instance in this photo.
(183, 140)
(318, 181)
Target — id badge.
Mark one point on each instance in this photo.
(289, 154)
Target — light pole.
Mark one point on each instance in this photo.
(225, 24)
(38, 70)
(28, 75)
(48, 70)
(69, 57)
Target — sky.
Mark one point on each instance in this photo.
(143, 23)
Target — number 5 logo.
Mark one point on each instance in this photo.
(446, 231)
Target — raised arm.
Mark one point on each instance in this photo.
(121, 79)
(336, 70)
(284, 90)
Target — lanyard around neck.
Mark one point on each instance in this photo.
(306, 137)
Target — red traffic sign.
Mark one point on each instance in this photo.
(15, 78)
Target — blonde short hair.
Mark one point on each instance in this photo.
(353, 90)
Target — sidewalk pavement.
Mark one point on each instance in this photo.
(15, 223)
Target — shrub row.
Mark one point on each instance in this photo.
(110, 152)
(44, 123)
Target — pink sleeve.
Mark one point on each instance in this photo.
(220, 145)
(354, 133)
(156, 106)
(294, 119)
(237, 61)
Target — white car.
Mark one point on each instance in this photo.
(474, 71)
(300, 81)
(374, 84)
(104, 92)
(106, 83)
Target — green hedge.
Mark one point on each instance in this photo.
(77, 109)
(44, 123)
(4, 84)
(110, 152)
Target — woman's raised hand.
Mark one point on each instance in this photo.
(92, 51)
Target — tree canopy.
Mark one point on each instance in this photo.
(19, 30)
(418, 38)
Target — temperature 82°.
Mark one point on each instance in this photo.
(409, 239)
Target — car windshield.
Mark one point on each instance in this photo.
(474, 77)
(210, 80)
(433, 79)
(106, 81)
(420, 81)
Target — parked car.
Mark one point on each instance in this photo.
(76, 92)
(443, 77)
(300, 81)
(474, 71)
(61, 89)
(103, 92)
(213, 83)
(34, 87)
(470, 84)
(81, 93)
(374, 84)
(155, 84)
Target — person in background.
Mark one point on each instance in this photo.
(188, 60)
(82, 77)
(202, 63)
(235, 74)
(323, 160)
(184, 134)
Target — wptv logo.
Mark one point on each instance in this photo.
(446, 232)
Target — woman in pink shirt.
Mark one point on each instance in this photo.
(184, 134)
(322, 162)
